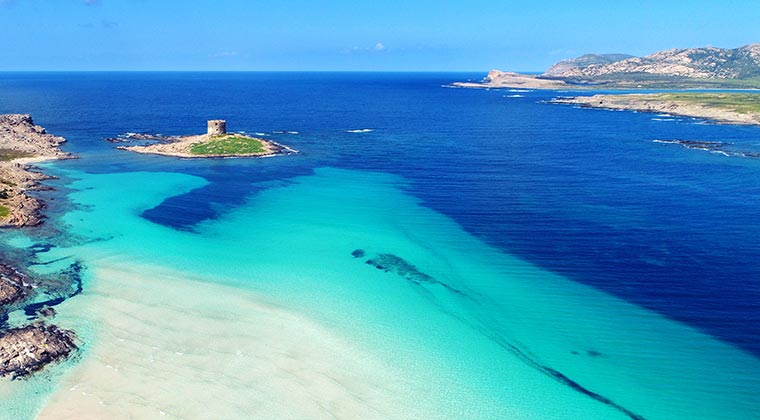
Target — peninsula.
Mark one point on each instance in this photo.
(683, 68)
(216, 143)
(725, 108)
(27, 349)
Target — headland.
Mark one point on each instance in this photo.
(723, 108)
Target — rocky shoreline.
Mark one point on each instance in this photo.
(661, 104)
(181, 146)
(26, 349)
(502, 79)
(23, 143)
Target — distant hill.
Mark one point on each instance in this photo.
(687, 68)
(575, 66)
(691, 63)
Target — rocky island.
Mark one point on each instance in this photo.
(726, 108)
(684, 68)
(216, 143)
(25, 349)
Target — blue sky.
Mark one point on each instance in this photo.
(377, 35)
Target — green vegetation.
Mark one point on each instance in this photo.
(10, 154)
(4, 211)
(745, 103)
(229, 145)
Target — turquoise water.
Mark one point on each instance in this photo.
(482, 346)
(536, 261)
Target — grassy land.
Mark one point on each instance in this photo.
(4, 211)
(745, 103)
(10, 154)
(229, 145)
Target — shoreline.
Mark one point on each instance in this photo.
(182, 146)
(30, 346)
(22, 144)
(694, 105)
(499, 79)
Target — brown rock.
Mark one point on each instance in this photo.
(26, 350)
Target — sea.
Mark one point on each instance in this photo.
(430, 253)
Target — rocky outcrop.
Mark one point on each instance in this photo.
(184, 146)
(505, 79)
(26, 350)
(18, 132)
(14, 287)
(21, 143)
(695, 63)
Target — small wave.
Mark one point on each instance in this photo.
(361, 130)
(284, 132)
(663, 119)
(514, 96)
(260, 134)
(664, 115)
(519, 90)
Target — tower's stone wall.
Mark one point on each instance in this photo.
(217, 127)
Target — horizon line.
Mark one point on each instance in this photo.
(255, 71)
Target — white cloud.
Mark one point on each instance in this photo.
(224, 54)
(379, 47)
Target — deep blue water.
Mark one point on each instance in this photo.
(585, 193)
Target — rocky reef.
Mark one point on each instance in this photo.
(28, 349)
(14, 287)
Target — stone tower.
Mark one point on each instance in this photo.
(217, 127)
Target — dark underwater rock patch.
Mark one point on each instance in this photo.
(359, 253)
(391, 263)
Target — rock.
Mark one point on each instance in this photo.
(46, 312)
(14, 287)
(20, 140)
(26, 350)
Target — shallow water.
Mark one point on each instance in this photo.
(234, 288)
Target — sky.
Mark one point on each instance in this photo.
(355, 35)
